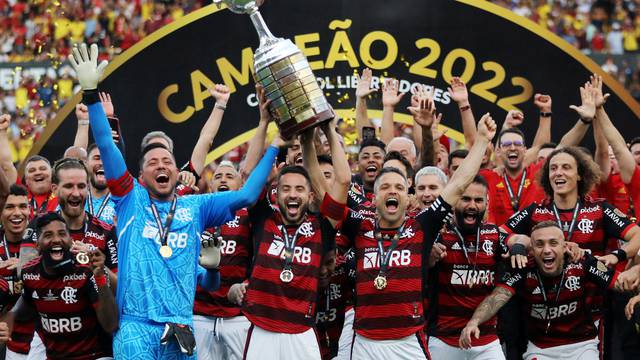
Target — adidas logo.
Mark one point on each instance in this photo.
(536, 291)
(369, 234)
(35, 295)
(456, 246)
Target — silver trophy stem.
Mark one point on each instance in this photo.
(261, 27)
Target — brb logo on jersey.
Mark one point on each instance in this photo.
(175, 240)
(397, 258)
(543, 312)
(464, 276)
(301, 254)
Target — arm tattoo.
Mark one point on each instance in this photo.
(491, 304)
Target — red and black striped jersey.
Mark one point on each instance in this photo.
(5, 295)
(237, 253)
(22, 330)
(101, 235)
(564, 318)
(397, 310)
(597, 221)
(459, 282)
(269, 302)
(67, 324)
(332, 303)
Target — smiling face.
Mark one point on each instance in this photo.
(225, 178)
(71, 190)
(294, 154)
(563, 174)
(428, 188)
(548, 250)
(38, 177)
(159, 173)
(370, 163)
(471, 207)
(15, 214)
(96, 169)
(293, 197)
(54, 242)
(391, 198)
(512, 151)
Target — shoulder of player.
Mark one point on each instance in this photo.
(99, 224)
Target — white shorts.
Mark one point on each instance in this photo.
(441, 350)
(346, 337)
(586, 350)
(267, 345)
(37, 352)
(407, 348)
(220, 338)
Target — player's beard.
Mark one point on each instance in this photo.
(467, 228)
(61, 266)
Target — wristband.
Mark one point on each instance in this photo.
(586, 122)
(90, 97)
(83, 122)
(465, 108)
(545, 114)
(101, 280)
(220, 106)
(332, 209)
(518, 249)
(620, 254)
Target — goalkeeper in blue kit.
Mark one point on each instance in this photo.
(160, 255)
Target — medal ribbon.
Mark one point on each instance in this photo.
(42, 208)
(164, 230)
(573, 220)
(544, 294)
(464, 247)
(6, 248)
(102, 205)
(515, 201)
(385, 256)
(289, 246)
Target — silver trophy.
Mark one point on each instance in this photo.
(297, 102)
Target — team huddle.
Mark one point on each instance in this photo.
(494, 250)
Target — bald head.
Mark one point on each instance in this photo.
(404, 146)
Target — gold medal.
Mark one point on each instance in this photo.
(380, 282)
(286, 276)
(165, 251)
(82, 258)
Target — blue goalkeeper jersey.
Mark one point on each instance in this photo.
(153, 287)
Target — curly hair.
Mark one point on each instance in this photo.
(587, 170)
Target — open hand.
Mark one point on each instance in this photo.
(85, 64)
(364, 84)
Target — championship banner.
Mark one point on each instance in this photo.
(161, 83)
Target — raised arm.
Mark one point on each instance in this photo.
(614, 138)
(310, 161)
(471, 164)
(362, 92)
(543, 134)
(106, 309)
(6, 160)
(82, 132)
(458, 92)
(601, 155)
(210, 129)
(487, 309)
(424, 115)
(586, 111)
(390, 99)
(89, 73)
(257, 142)
(341, 169)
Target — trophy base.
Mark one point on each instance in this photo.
(291, 127)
